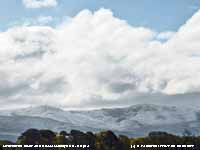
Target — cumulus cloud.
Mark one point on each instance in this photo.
(39, 3)
(94, 58)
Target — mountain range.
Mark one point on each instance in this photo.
(135, 121)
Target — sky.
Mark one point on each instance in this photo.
(86, 53)
(158, 15)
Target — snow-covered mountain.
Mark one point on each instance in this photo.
(135, 120)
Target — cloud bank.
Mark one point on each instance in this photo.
(96, 58)
(39, 3)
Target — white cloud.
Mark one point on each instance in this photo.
(96, 57)
(39, 3)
